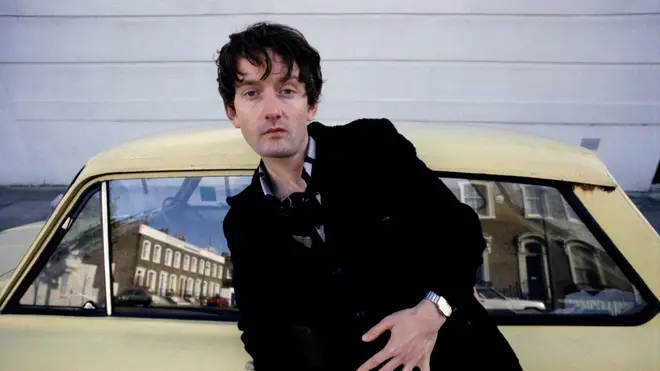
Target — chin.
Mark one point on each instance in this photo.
(276, 152)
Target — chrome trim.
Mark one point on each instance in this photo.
(105, 222)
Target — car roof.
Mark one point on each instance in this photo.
(463, 148)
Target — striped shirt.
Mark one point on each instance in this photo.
(289, 202)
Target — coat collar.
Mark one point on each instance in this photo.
(255, 191)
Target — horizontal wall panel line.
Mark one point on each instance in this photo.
(295, 7)
(334, 14)
(335, 120)
(358, 60)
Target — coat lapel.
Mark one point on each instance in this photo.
(329, 180)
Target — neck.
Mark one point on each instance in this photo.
(286, 173)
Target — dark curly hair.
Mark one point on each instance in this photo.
(253, 43)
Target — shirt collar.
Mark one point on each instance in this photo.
(310, 157)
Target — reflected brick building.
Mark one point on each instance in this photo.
(538, 248)
(146, 258)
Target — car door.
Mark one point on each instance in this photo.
(595, 268)
(119, 236)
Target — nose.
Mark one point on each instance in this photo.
(272, 110)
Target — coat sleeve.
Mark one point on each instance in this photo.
(448, 234)
(263, 335)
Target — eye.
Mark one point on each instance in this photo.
(250, 93)
(287, 91)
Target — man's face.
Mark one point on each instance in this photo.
(273, 113)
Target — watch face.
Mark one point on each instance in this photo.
(444, 307)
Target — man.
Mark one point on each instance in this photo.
(348, 252)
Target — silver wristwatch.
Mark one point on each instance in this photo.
(440, 302)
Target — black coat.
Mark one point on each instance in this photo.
(393, 232)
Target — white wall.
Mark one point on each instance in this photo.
(77, 76)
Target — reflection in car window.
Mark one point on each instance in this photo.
(540, 255)
(183, 218)
(74, 273)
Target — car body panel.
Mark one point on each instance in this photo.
(630, 232)
(586, 348)
(59, 343)
(444, 147)
(14, 243)
(71, 342)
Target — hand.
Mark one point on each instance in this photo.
(414, 332)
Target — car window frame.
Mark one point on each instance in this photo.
(197, 314)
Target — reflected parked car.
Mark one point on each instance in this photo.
(217, 301)
(492, 299)
(136, 297)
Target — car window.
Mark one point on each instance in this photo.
(168, 242)
(73, 275)
(540, 254)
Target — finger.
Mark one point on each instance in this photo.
(409, 367)
(377, 330)
(426, 363)
(392, 364)
(377, 359)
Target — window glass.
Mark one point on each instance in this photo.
(540, 256)
(182, 220)
(74, 273)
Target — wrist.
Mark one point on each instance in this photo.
(428, 310)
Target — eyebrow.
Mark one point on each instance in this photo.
(250, 82)
(247, 82)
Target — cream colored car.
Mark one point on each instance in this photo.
(147, 217)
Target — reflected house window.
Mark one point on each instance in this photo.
(162, 283)
(157, 250)
(483, 273)
(139, 277)
(189, 286)
(220, 271)
(64, 283)
(570, 213)
(229, 273)
(182, 285)
(172, 284)
(555, 206)
(586, 268)
(168, 257)
(217, 288)
(533, 267)
(207, 270)
(177, 260)
(193, 265)
(201, 266)
(186, 263)
(205, 287)
(532, 201)
(198, 287)
(546, 202)
(479, 197)
(214, 273)
(151, 280)
(146, 250)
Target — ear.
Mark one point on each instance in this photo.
(231, 115)
(311, 112)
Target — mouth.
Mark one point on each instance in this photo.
(274, 131)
